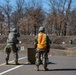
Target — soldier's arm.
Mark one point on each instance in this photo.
(48, 44)
(18, 34)
(35, 42)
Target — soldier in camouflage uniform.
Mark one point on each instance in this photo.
(41, 45)
(11, 45)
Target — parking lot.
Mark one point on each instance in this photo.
(59, 65)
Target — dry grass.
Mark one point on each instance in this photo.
(57, 48)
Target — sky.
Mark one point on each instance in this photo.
(44, 3)
(11, 1)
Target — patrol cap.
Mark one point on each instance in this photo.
(41, 29)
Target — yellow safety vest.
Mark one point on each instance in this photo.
(41, 40)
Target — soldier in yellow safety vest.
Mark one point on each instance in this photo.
(42, 47)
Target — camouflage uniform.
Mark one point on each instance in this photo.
(11, 46)
(41, 53)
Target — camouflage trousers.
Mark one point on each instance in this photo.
(41, 56)
(15, 53)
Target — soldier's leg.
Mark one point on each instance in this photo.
(44, 59)
(47, 59)
(16, 57)
(7, 58)
(37, 62)
(7, 55)
(15, 54)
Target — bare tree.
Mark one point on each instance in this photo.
(1, 22)
(73, 22)
(60, 12)
(33, 16)
(19, 11)
(7, 10)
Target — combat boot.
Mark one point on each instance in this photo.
(6, 61)
(37, 68)
(16, 62)
(45, 68)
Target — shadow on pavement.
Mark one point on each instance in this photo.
(64, 69)
(51, 63)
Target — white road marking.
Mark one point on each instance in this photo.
(11, 68)
(13, 60)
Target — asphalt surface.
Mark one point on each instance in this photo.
(59, 65)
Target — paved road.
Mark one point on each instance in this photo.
(59, 65)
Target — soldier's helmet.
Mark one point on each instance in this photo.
(41, 29)
(13, 30)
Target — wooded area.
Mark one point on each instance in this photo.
(29, 15)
